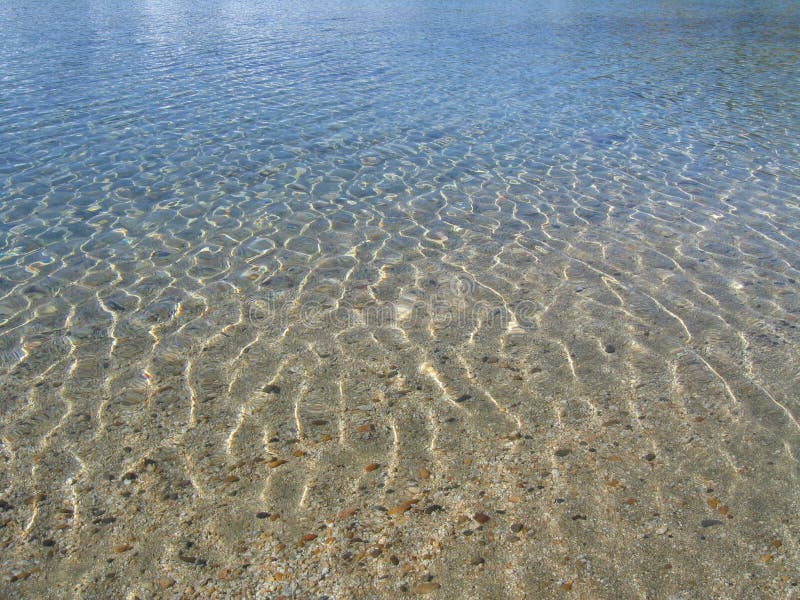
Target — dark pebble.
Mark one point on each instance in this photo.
(262, 515)
(463, 398)
(517, 527)
(710, 522)
(271, 389)
(610, 348)
(478, 560)
(48, 543)
(433, 508)
(649, 456)
(563, 452)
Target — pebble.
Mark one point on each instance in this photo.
(433, 508)
(276, 463)
(481, 517)
(347, 512)
(478, 560)
(166, 583)
(371, 467)
(425, 588)
(517, 527)
(121, 548)
(402, 507)
(710, 522)
(649, 456)
(463, 398)
(562, 452)
(610, 348)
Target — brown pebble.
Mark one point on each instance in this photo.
(371, 467)
(166, 582)
(424, 473)
(121, 548)
(425, 588)
(231, 479)
(276, 463)
(481, 517)
(309, 537)
(402, 507)
(566, 586)
(347, 512)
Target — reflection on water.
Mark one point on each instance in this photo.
(350, 300)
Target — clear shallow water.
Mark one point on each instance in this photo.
(538, 261)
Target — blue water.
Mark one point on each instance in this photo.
(222, 224)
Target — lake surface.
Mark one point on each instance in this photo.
(365, 299)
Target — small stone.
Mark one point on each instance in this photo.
(566, 586)
(262, 515)
(562, 452)
(121, 548)
(166, 583)
(276, 463)
(478, 560)
(402, 507)
(425, 588)
(424, 473)
(231, 479)
(371, 467)
(481, 517)
(271, 389)
(463, 398)
(48, 543)
(517, 527)
(649, 456)
(710, 522)
(610, 348)
(433, 508)
(309, 537)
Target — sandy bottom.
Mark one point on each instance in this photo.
(414, 397)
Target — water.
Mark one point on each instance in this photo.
(533, 260)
